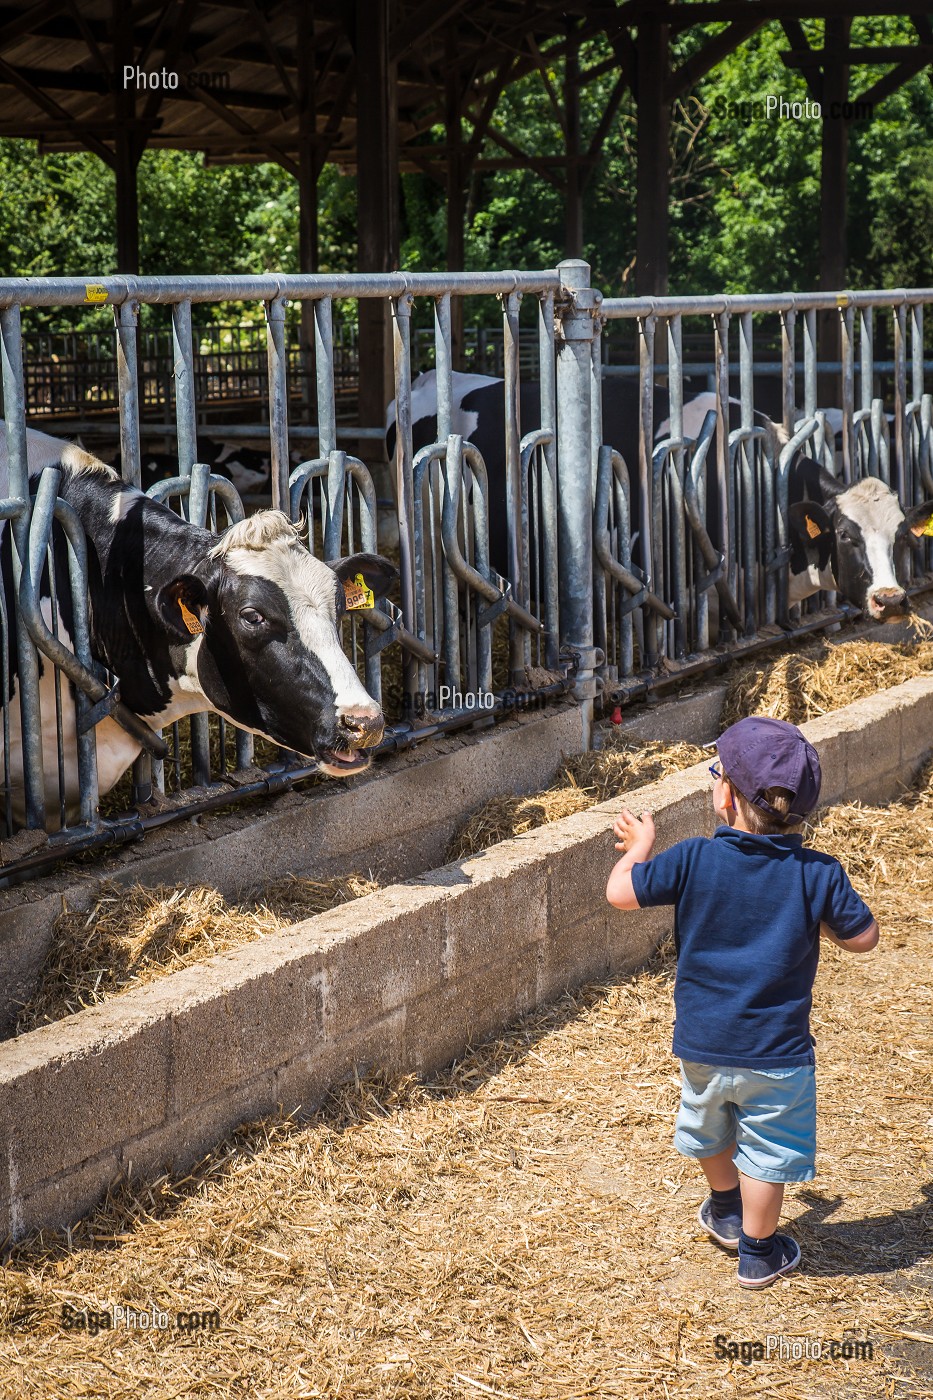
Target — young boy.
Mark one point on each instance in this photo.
(750, 904)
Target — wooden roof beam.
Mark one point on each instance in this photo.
(538, 163)
(25, 22)
(892, 81)
(681, 16)
(47, 104)
(257, 138)
(712, 52)
(425, 20)
(801, 45)
(43, 78)
(276, 58)
(881, 53)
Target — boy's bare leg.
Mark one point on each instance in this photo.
(720, 1171)
(761, 1206)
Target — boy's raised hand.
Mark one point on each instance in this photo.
(634, 835)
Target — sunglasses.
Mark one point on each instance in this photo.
(716, 770)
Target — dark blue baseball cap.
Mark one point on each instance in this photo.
(760, 753)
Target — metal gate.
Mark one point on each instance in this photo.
(619, 571)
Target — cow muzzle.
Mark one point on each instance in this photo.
(887, 604)
(359, 728)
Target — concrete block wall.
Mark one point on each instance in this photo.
(403, 979)
(395, 820)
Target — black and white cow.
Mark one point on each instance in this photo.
(245, 625)
(848, 538)
(248, 468)
(851, 544)
(478, 415)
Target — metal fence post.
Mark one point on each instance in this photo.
(11, 353)
(579, 304)
(514, 504)
(277, 351)
(548, 513)
(126, 316)
(401, 343)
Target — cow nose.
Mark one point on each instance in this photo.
(892, 602)
(361, 725)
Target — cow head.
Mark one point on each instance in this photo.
(848, 542)
(264, 617)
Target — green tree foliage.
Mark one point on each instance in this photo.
(57, 218)
(745, 189)
(753, 223)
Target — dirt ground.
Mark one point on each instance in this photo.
(520, 1226)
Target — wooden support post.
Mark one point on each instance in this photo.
(127, 152)
(309, 171)
(377, 194)
(833, 203)
(455, 191)
(573, 207)
(653, 163)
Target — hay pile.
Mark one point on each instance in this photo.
(585, 780)
(120, 797)
(521, 1225)
(797, 686)
(888, 852)
(817, 679)
(136, 935)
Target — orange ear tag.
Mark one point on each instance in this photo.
(357, 594)
(813, 530)
(191, 620)
(921, 530)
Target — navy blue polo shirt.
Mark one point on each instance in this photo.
(747, 926)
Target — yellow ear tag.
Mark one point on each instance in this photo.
(813, 530)
(357, 594)
(191, 620)
(921, 530)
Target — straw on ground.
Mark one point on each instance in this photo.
(522, 1225)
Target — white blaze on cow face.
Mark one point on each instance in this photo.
(875, 510)
(267, 546)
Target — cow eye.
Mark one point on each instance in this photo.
(251, 617)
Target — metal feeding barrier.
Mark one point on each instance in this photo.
(433, 661)
(565, 561)
(71, 372)
(691, 533)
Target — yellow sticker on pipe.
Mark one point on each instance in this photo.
(93, 291)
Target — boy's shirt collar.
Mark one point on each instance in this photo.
(754, 842)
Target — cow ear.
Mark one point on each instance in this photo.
(830, 485)
(809, 522)
(361, 572)
(182, 606)
(918, 521)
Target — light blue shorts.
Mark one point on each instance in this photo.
(770, 1115)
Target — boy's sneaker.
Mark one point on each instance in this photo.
(757, 1270)
(723, 1228)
